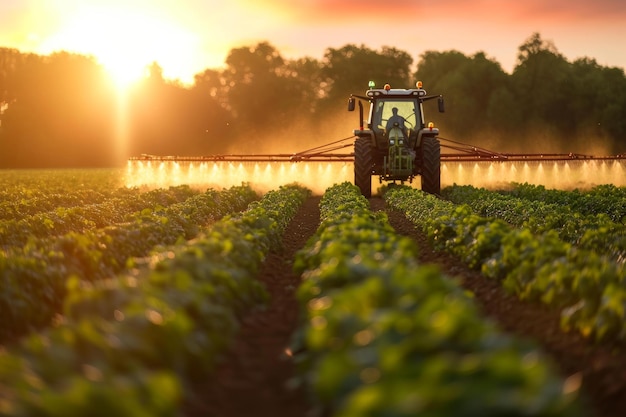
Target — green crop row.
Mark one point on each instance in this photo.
(134, 344)
(602, 199)
(595, 232)
(16, 206)
(28, 192)
(28, 184)
(586, 286)
(32, 280)
(384, 336)
(17, 232)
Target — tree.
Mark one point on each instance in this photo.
(254, 91)
(473, 88)
(61, 114)
(62, 110)
(543, 83)
(10, 61)
(349, 69)
(168, 119)
(599, 103)
(434, 68)
(307, 86)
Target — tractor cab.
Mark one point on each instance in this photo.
(396, 144)
(395, 119)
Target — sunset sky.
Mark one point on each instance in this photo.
(188, 36)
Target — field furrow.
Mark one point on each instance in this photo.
(138, 341)
(383, 335)
(33, 279)
(585, 285)
(180, 302)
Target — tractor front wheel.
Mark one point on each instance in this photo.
(363, 164)
(431, 165)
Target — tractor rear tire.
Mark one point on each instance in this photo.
(431, 165)
(363, 165)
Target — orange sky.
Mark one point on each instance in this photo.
(187, 36)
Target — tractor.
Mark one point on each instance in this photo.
(396, 144)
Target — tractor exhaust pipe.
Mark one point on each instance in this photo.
(351, 106)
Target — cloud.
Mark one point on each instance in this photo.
(403, 12)
(347, 12)
(575, 9)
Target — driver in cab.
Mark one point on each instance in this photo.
(395, 121)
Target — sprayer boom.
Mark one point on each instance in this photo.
(323, 166)
(470, 153)
(457, 151)
(323, 153)
(329, 157)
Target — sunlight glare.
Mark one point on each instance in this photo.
(125, 42)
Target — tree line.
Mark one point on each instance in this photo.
(62, 110)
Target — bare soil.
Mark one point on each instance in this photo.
(256, 375)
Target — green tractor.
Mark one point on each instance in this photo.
(397, 144)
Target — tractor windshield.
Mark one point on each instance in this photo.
(407, 109)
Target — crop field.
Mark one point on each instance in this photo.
(182, 300)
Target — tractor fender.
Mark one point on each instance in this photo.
(426, 132)
(366, 133)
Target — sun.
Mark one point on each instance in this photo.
(126, 42)
(124, 67)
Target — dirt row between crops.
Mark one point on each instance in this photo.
(256, 376)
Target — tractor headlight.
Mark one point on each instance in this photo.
(401, 142)
(392, 141)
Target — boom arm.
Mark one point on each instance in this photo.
(327, 153)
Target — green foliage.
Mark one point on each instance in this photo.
(602, 199)
(383, 335)
(583, 278)
(347, 70)
(33, 276)
(583, 219)
(146, 335)
(474, 87)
